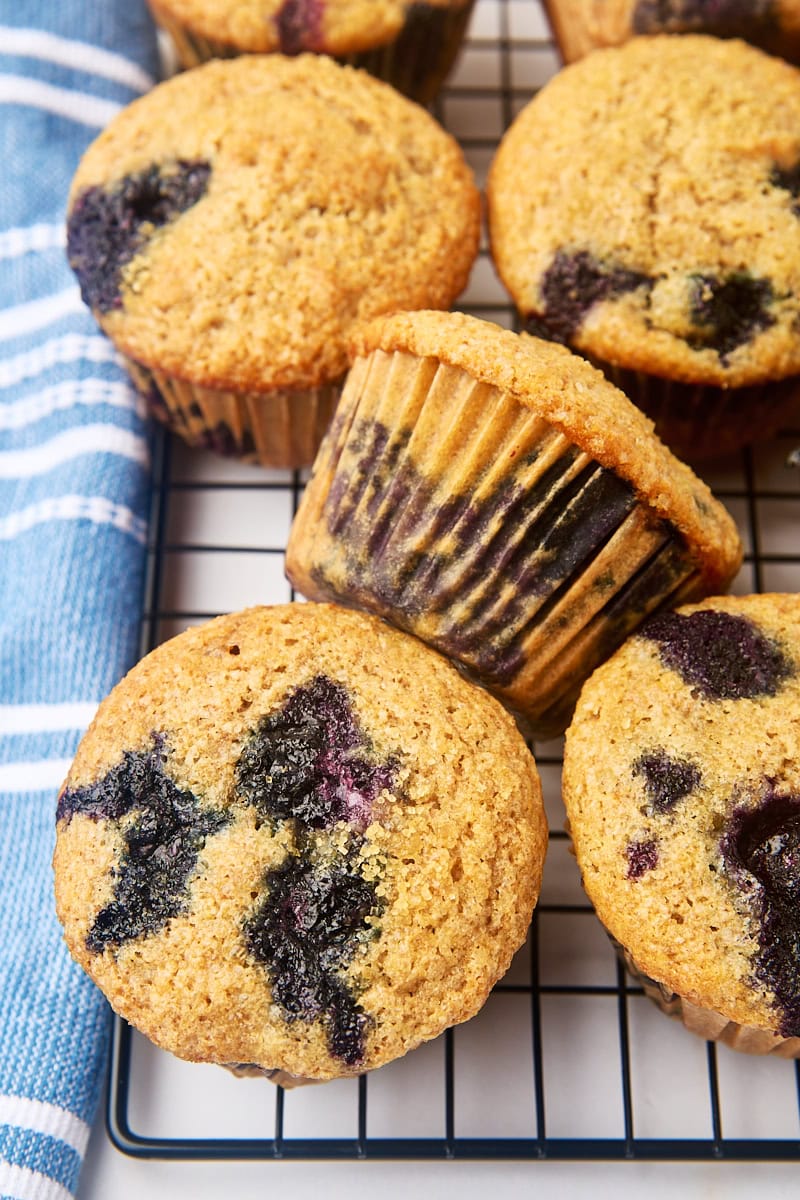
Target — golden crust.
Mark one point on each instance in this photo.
(658, 157)
(682, 922)
(331, 199)
(456, 846)
(578, 401)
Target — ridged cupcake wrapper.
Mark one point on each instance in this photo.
(282, 428)
(445, 506)
(275, 1075)
(706, 1023)
(575, 37)
(700, 421)
(416, 62)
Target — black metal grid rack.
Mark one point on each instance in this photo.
(568, 1059)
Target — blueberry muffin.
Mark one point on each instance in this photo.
(230, 227)
(408, 43)
(496, 496)
(644, 210)
(583, 25)
(682, 787)
(295, 840)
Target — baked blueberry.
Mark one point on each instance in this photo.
(161, 843)
(305, 931)
(305, 762)
(667, 779)
(642, 856)
(572, 284)
(729, 311)
(108, 226)
(299, 24)
(764, 843)
(724, 656)
(788, 179)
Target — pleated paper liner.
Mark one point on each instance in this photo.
(706, 1023)
(698, 421)
(580, 26)
(281, 428)
(416, 62)
(458, 514)
(276, 1075)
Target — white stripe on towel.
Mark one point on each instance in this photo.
(31, 239)
(33, 776)
(97, 509)
(75, 106)
(45, 718)
(71, 347)
(86, 439)
(49, 1119)
(62, 396)
(36, 314)
(94, 60)
(21, 1183)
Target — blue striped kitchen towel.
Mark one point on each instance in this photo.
(73, 503)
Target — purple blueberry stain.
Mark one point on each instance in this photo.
(788, 180)
(723, 656)
(724, 18)
(308, 766)
(299, 25)
(667, 779)
(162, 841)
(641, 856)
(571, 286)
(306, 762)
(108, 226)
(761, 851)
(305, 930)
(728, 312)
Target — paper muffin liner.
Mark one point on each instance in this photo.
(281, 428)
(459, 515)
(707, 1023)
(273, 1075)
(416, 62)
(700, 421)
(575, 36)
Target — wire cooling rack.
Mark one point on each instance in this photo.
(568, 1059)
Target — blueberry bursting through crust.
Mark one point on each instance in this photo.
(107, 227)
(305, 766)
(162, 840)
(761, 850)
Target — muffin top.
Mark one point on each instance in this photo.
(296, 838)
(584, 25)
(682, 787)
(576, 399)
(230, 226)
(644, 209)
(329, 26)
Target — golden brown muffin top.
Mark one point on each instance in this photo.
(334, 26)
(577, 400)
(584, 25)
(231, 226)
(682, 787)
(353, 837)
(644, 209)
